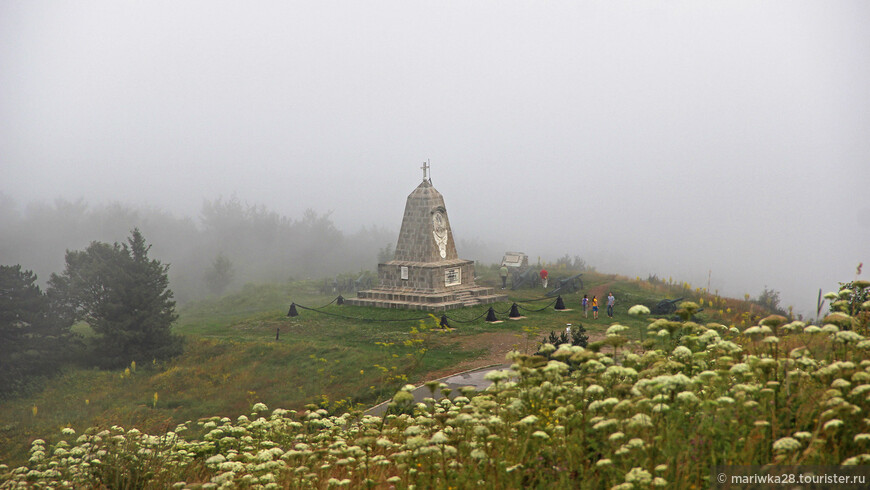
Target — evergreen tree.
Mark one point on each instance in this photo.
(33, 341)
(579, 336)
(220, 275)
(125, 298)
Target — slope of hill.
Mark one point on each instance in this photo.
(334, 359)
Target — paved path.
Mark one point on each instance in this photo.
(474, 378)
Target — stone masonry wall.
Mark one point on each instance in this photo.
(416, 239)
(425, 277)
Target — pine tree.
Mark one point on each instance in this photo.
(32, 338)
(124, 297)
(151, 309)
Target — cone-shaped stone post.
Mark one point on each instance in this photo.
(444, 323)
(560, 305)
(490, 315)
(340, 300)
(515, 311)
(292, 312)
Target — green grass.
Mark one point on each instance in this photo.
(232, 359)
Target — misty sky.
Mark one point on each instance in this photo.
(679, 138)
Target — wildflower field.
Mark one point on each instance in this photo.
(657, 409)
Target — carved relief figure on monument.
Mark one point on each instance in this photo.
(440, 232)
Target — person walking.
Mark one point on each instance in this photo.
(544, 275)
(585, 303)
(610, 302)
(503, 272)
(595, 307)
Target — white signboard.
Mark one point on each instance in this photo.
(404, 272)
(453, 276)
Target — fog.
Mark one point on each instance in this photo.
(705, 141)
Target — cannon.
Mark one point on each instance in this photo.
(528, 277)
(569, 285)
(666, 306)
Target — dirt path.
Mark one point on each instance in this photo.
(601, 292)
(495, 346)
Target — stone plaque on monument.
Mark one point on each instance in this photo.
(452, 277)
(426, 273)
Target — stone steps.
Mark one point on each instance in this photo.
(405, 305)
(426, 301)
(492, 298)
(466, 298)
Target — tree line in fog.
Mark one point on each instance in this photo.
(229, 244)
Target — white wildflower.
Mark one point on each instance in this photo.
(497, 375)
(259, 407)
(616, 329)
(638, 310)
(478, 454)
(847, 336)
(682, 353)
(216, 459)
(638, 476)
(635, 443)
(529, 420)
(439, 438)
(640, 420)
(687, 397)
(594, 390)
(786, 444)
(861, 459)
(740, 368)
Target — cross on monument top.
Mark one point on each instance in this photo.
(425, 168)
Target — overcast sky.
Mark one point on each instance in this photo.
(679, 138)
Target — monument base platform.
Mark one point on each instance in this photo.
(434, 301)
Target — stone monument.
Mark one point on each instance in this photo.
(426, 272)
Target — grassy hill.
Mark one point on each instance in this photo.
(342, 358)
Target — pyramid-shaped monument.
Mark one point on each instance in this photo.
(426, 272)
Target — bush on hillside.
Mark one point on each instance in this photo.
(578, 337)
